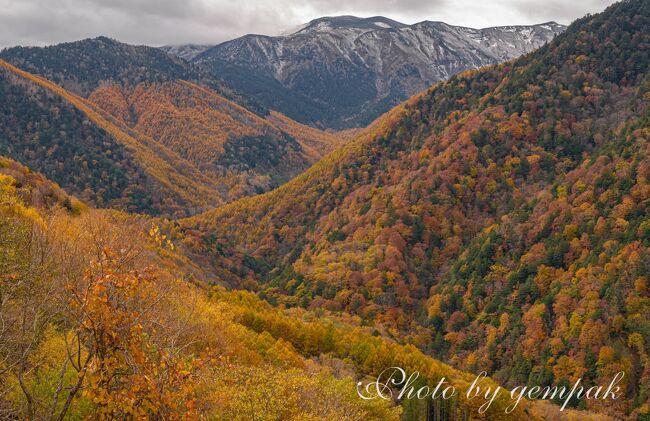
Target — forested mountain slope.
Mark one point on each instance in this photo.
(242, 152)
(94, 156)
(83, 66)
(498, 220)
(102, 320)
(160, 115)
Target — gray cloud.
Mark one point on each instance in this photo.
(564, 10)
(158, 22)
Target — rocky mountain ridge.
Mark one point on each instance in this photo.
(345, 71)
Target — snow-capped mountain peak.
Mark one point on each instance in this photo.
(344, 70)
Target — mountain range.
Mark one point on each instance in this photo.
(345, 71)
(124, 117)
(165, 221)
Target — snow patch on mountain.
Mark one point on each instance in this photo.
(366, 65)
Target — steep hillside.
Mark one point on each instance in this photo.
(345, 71)
(241, 152)
(102, 323)
(91, 154)
(498, 220)
(164, 119)
(83, 66)
(36, 190)
(316, 143)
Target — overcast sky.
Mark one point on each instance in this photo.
(159, 22)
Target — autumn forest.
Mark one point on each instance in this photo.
(172, 249)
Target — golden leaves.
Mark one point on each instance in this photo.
(160, 239)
